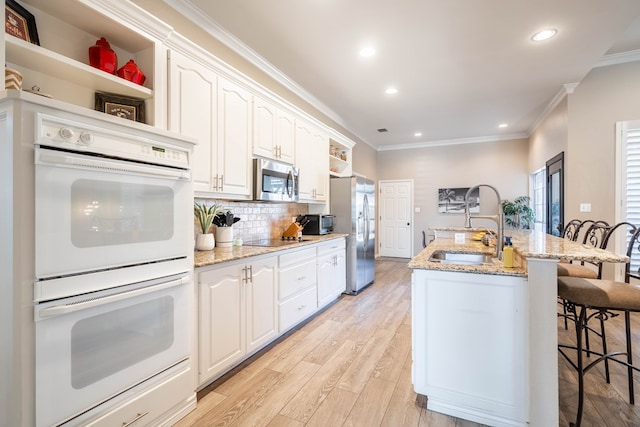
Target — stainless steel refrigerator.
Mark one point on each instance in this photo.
(353, 202)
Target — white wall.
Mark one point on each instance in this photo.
(503, 164)
(549, 138)
(605, 96)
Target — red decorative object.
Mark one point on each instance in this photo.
(101, 56)
(131, 72)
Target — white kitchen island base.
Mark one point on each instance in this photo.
(470, 345)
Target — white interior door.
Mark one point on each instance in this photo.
(396, 218)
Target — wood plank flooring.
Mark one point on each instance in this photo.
(351, 366)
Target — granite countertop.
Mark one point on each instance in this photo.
(220, 255)
(526, 244)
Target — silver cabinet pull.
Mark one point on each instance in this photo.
(250, 274)
(126, 424)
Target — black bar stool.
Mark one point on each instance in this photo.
(604, 296)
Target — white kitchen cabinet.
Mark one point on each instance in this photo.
(273, 131)
(311, 150)
(237, 313)
(193, 95)
(261, 298)
(217, 112)
(234, 140)
(332, 271)
(59, 66)
(470, 345)
(297, 287)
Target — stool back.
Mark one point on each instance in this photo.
(571, 230)
(633, 250)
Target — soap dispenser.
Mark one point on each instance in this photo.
(507, 253)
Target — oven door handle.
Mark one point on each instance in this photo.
(58, 310)
(44, 156)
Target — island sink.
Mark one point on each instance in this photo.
(445, 257)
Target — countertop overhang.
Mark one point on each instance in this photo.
(527, 244)
(220, 255)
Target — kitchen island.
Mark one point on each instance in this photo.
(484, 339)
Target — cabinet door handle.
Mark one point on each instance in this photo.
(302, 278)
(215, 183)
(244, 274)
(301, 307)
(250, 274)
(221, 182)
(127, 424)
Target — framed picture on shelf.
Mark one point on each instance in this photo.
(121, 106)
(451, 200)
(20, 23)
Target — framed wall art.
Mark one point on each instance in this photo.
(120, 106)
(451, 200)
(19, 22)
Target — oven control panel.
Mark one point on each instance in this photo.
(111, 140)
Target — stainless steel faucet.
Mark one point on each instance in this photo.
(499, 218)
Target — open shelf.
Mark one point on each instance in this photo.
(31, 56)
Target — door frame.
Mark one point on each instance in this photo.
(557, 162)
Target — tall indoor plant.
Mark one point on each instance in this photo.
(205, 214)
(518, 213)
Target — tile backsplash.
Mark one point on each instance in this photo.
(259, 220)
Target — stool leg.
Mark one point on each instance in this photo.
(564, 311)
(580, 324)
(627, 326)
(604, 350)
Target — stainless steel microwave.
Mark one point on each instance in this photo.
(274, 181)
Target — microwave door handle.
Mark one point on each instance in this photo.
(290, 189)
(106, 165)
(58, 310)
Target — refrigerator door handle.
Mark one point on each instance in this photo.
(365, 210)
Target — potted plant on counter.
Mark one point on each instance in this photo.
(223, 221)
(205, 214)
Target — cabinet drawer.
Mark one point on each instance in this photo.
(155, 406)
(331, 246)
(296, 278)
(297, 308)
(297, 257)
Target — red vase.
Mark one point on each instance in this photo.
(131, 72)
(101, 56)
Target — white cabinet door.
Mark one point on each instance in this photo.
(285, 136)
(332, 271)
(273, 132)
(193, 105)
(234, 140)
(312, 158)
(222, 316)
(261, 303)
(264, 129)
(474, 363)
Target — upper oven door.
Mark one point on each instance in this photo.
(96, 213)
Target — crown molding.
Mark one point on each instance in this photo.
(618, 58)
(565, 90)
(134, 15)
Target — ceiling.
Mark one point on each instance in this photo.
(461, 67)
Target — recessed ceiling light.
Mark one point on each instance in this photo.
(417, 134)
(544, 35)
(391, 91)
(503, 125)
(367, 51)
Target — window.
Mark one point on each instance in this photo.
(628, 185)
(539, 198)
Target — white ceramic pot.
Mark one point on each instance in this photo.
(224, 237)
(205, 242)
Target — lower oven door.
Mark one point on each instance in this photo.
(99, 213)
(92, 347)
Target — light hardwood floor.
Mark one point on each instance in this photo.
(351, 366)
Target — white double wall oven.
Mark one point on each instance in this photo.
(113, 262)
